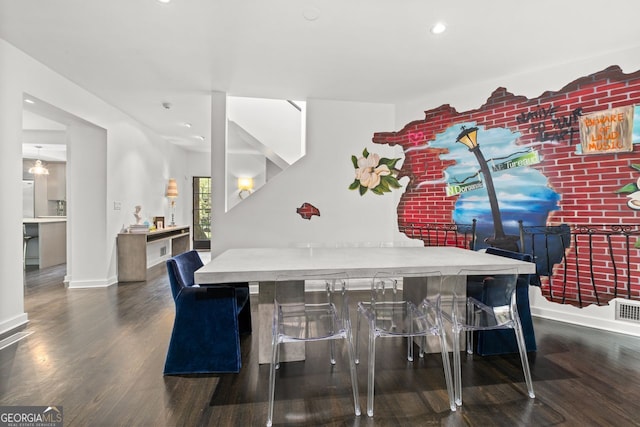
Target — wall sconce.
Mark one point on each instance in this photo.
(172, 193)
(245, 187)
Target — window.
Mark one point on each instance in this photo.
(201, 212)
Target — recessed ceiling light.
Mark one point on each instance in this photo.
(311, 13)
(29, 101)
(438, 28)
(200, 137)
(164, 1)
(187, 125)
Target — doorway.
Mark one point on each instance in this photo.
(202, 212)
(44, 224)
(85, 144)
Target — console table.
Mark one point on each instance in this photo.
(139, 251)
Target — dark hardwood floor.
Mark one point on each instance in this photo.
(99, 353)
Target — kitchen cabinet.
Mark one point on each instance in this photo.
(57, 181)
(48, 243)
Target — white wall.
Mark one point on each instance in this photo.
(532, 84)
(133, 167)
(11, 291)
(273, 122)
(335, 131)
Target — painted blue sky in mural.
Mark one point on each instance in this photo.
(523, 192)
(636, 125)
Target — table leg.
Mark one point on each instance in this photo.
(290, 291)
(415, 289)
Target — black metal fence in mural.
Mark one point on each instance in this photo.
(576, 264)
(594, 263)
(440, 234)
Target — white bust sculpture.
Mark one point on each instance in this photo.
(137, 214)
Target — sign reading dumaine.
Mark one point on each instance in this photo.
(609, 131)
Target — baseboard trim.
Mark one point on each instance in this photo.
(83, 284)
(13, 323)
(597, 317)
(14, 339)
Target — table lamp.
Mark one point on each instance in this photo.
(172, 193)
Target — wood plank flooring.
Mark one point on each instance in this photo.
(99, 353)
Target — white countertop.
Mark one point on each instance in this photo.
(44, 220)
(267, 264)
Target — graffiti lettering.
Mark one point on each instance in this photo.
(567, 121)
(540, 114)
(560, 128)
(557, 135)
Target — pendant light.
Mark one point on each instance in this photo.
(38, 168)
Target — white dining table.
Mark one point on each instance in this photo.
(266, 265)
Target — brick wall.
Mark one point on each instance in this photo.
(587, 183)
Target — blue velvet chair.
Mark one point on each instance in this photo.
(208, 323)
(504, 341)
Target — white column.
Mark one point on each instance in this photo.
(87, 261)
(12, 312)
(218, 163)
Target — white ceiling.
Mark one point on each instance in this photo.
(137, 54)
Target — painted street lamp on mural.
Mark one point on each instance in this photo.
(468, 137)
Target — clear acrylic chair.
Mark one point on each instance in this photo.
(499, 311)
(389, 315)
(307, 322)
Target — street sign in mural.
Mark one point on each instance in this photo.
(515, 160)
(455, 189)
(527, 159)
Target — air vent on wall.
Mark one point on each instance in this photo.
(628, 311)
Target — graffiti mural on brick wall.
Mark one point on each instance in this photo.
(541, 178)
